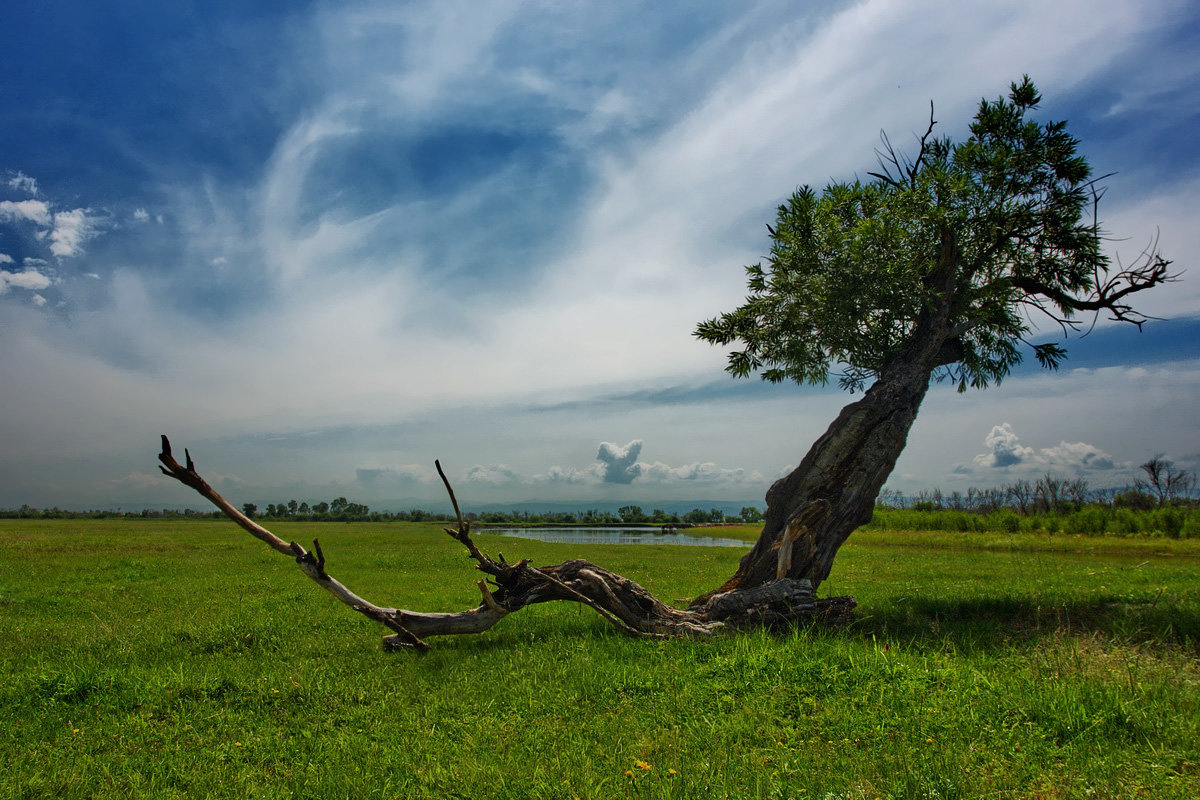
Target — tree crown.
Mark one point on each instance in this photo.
(985, 231)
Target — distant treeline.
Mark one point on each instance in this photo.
(1094, 519)
(342, 510)
(1162, 503)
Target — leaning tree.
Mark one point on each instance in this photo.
(935, 268)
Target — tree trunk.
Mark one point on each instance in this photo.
(812, 510)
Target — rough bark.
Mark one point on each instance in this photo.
(812, 510)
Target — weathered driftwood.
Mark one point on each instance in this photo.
(631, 608)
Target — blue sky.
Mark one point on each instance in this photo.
(323, 244)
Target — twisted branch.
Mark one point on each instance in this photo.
(1150, 270)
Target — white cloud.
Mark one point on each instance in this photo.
(493, 474)
(618, 466)
(1005, 451)
(5, 259)
(620, 463)
(29, 279)
(38, 300)
(141, 215)
(706, 472)
(71, 229)
(23, 183)
(1077, 456)
(1005, 448)
(34, 211)
(66, 230)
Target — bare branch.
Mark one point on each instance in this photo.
(1109, 290)
(906, 170)
(922, 149)
(312, 565)
(188, 476)
(462, 525)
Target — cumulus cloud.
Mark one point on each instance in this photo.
(700, 472)
(34, 211)
(30, 279)
(65, 230)
(5, 259)
(620, 463)
(493, 475)
(71, 229)
(141, 215)
(23, 183)
(1077, 456)
(616, 465)
(1005, 450)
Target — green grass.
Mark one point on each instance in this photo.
(184, 659)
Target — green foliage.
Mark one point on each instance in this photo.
(978, 228)
(632, 514)
(1090, 520)
(1003, 520)
(1170, 522)
(751, 514)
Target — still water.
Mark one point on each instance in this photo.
(614, 536)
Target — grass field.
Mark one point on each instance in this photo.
(184, 659)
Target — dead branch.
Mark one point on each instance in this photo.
(622, 602)
(1109, 290)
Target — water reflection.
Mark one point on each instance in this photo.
(614, 536)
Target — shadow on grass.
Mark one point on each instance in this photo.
(999, 622)
(976, 624)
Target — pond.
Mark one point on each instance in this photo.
(614, 536)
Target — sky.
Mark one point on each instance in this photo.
(322, 244)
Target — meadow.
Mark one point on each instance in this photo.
(166, 659)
